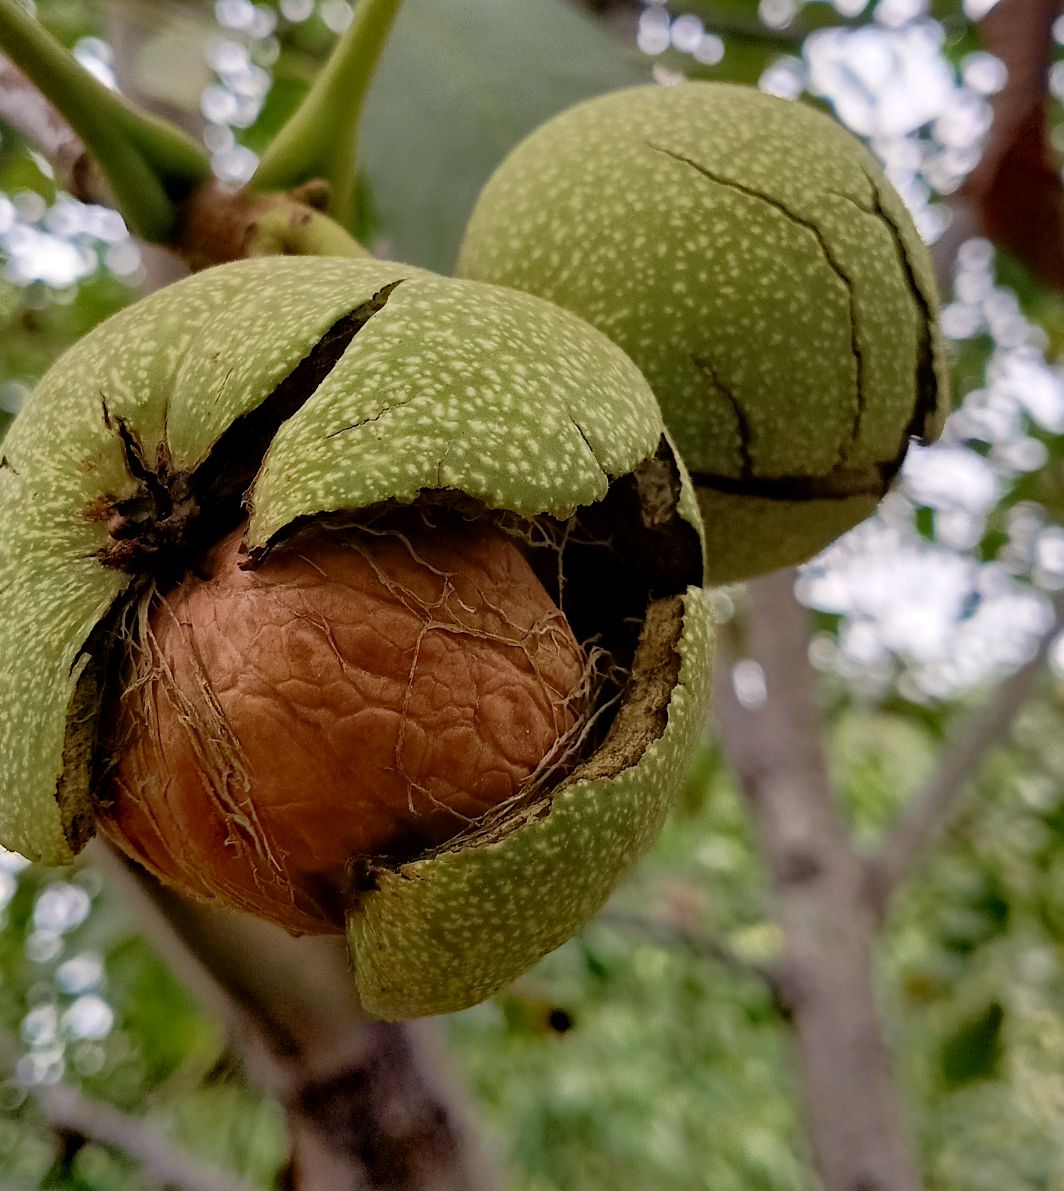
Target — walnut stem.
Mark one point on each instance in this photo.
(320, 137)
(149, 163)
(214, 223)
(220, 223)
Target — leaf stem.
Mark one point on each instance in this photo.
(149, 164)
(320, 140)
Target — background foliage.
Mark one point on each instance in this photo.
(633, 1057)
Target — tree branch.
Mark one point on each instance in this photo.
(1015, 191)
(368, 1105)
(68, 1109)
(845, 1070)
(931, 808)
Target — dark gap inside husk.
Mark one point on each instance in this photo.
(615, 572)
(841, 483)
(637, 718)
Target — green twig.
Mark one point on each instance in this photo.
(150, 165)
(320, 139)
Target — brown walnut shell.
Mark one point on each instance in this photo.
(365, 693)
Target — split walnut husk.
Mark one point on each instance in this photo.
(357, 597)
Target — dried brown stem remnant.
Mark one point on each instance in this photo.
(364, 693)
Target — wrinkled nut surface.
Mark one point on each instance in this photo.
(292, 521)
(365, 693)
(752, 259)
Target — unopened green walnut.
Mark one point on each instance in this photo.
(233, 436)
(752, 259)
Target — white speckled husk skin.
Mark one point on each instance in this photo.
(752, 259)
(450, 385)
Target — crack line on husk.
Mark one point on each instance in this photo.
(741, 419)
(587, 443)
(384, 409)
(188, 510)
(826, 251)
(926, 398)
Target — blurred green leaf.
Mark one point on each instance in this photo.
(975, 1049)
(699, 784)
(459, 84)
(162, 1016)
(22, 169)
(35, 329)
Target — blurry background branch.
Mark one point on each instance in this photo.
(930, 808)
(67, 1109)
(850, 1097)
(25, 109)
(1016, 191)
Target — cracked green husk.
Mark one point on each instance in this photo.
(752, 259)
(446, 384)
